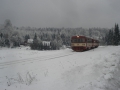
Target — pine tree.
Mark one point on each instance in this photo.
(26, 38)
(35, 37)
(1, 35)
(35, 44)
(110, 38)
(116, 35)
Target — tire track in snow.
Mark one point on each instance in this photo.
(41, 58)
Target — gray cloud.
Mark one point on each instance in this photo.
(61, 13)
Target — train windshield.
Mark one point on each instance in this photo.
(80, 40)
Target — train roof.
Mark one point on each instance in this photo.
(78, 36)
(81, 36)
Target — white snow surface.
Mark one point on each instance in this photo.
(25, 69)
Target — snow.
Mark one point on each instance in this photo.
(25, 69)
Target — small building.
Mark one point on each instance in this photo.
(30, 41)
(47, 43)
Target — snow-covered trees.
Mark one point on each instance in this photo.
(9, 37)
(113, 37)
(57, 36)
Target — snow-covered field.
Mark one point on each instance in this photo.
(25, 69)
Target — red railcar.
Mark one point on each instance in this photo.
(82, 43)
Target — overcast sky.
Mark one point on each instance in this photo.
(61, 13)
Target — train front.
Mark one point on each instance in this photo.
(78, 43)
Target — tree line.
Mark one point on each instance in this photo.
(113, 36)
(12, 36)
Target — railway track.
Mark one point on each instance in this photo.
(40, 58)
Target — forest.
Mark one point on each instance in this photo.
(13, 36)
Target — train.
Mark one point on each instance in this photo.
(83, 43)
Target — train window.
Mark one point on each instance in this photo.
(83, 40)
(80, 40)
(74, 40)
(89, 40)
